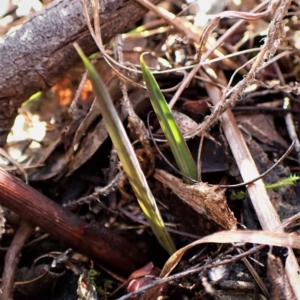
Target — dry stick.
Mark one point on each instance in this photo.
(190, 271)
(178, 25)
(279, 161)
(191, 75)
(181, 26)
(264, 209)
(12, 259)
(98, 191)
(275, 34)
(203, 268)
(93, 239)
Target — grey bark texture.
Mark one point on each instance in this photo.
(35, 54)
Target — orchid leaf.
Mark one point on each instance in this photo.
(169, 126)
(127, 157)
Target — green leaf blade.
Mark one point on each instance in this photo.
(169, 126)
(127, 157)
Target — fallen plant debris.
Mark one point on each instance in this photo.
(227, 74)
(208, 201)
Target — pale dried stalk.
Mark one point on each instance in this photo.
(264, 209)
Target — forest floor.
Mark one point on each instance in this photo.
(230, 75)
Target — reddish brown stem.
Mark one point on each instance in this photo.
(12, 259)
(92, 239)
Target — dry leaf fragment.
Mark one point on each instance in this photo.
(261, 127)
(209, 201)
(144, 276)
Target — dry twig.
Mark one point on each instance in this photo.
(12, 258)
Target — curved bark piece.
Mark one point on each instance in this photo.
(35, 54)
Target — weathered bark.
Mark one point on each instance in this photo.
(34, 55)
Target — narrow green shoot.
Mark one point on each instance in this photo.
(127, 157)
(291, 180)
(169, 126)
(237, 195)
